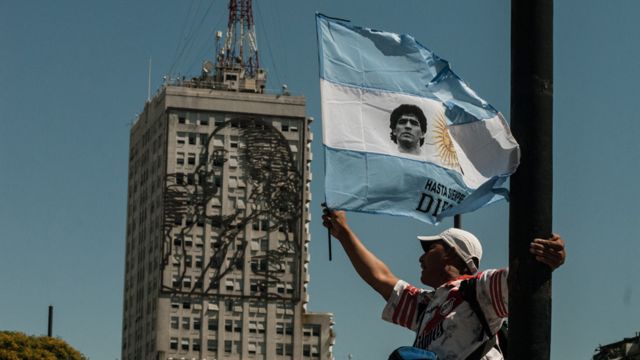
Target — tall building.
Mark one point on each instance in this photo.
(218, 218)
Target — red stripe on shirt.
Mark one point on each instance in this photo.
(408, 320)
(503, 306)
(438, 317)
(398, 309)
(496, 294)
(407, 301)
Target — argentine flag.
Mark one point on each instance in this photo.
(403, 134)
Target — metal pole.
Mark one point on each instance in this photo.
(50, 322)
(457, 221)
(531, 186)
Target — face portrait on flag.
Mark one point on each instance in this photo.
(408, 128)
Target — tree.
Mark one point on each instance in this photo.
(19, 346)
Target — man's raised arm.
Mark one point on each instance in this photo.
(369, 267)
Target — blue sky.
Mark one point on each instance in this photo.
(74, 76)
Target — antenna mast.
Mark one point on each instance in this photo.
(237, 62)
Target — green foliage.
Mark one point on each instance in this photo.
(18, 346)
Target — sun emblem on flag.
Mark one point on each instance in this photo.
(444, 144)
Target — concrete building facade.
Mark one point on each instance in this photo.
(217, 229)
(626, 349)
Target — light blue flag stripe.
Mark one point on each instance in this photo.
(373, 59)
(429, 194)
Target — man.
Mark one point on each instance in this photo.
(408, 128)
(444, 322)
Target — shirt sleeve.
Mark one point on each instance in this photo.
(493, 295)
(405, 305)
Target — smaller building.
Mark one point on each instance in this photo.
(627, 349)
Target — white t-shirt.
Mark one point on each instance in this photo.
(444, 323)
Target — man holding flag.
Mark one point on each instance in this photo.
(445, 323)
(465, 153)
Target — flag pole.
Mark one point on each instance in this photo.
(530, 207)
(457, 221)
(324, 205)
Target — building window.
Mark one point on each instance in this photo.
(212, 325)
(180, 158)
(185, 344)
(212, 345)
(228, 325)
(192, 139)
(280, 328)
(174, 322)
(180, 138)
(306, 350)
(186, 323)
(229, 284)
(279, 349)
(195, 345)
(173, 345)
(228, 344)
(196, 324)
(191, 160)
(215, 285)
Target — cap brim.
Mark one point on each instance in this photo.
(430, 238)
(424, 240)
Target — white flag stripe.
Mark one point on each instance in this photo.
(358, 119)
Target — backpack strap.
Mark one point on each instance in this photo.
(468, 290)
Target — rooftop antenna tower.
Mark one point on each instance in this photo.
(237, 61)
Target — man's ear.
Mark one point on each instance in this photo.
(450, 253)
(452, 258)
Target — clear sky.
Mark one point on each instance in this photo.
(73, 76)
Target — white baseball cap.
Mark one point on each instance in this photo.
(466, 245)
